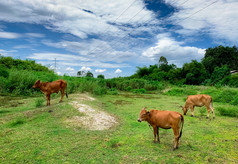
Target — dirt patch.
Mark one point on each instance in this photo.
(121, 102)
(139, 96)
(93, 119)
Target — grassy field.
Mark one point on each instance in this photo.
(35, 135)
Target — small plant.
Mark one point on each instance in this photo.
(140, 91)
(113, 91)
(129, 88)
(39, 102)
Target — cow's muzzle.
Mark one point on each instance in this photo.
(139, 120)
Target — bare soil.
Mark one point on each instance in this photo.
(92, 119)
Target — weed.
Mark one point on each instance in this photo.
(17, 123)
(202, 111)
(39, 102)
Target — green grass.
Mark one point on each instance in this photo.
(35, 135)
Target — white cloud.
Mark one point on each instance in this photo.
(9, 35)
(94, 50)
(79, 18)
(173, 50)
(219, 19)
(85, 69)
(57, 57)
(118, 71)
(100, 70)
(70, 69)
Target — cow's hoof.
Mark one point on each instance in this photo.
(191, 115)
(50, 111)
(207, 117)
(175, 148)
(213, 117)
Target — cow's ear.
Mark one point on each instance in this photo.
(38, 81)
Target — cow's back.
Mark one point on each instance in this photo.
(56, 86)
(164, 119)
(199, 100)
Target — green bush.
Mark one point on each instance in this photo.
(129, 88)
(39, 102)
(231, 111)
(181, 92)
(3, 71)
(139, 91)
(99, 91)
(112, 91)
(226, 96)
(235, 100)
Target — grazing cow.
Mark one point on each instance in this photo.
(198, 100)
(163, 119)
(51, 87)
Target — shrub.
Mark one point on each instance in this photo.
(3, 71)
(112, 91)
(129, 88)
(140, 91)
(231, 111)
(235, 100)
(99, 90)
(39, 102)
(226, 96)
(181, 92)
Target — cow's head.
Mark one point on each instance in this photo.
(144, 115)
(37, 84)
(184, 110)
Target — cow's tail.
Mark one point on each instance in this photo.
(181, 125)
(66, 93)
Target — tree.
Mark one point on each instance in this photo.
(100, 76)
(194, 73)
(219, 73)
(80, 73)
(220, 56)
(89, 74)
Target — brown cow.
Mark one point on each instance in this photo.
(51, 87)
(163, 119)
(198, 100)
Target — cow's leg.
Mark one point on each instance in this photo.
(158, 135)
(208, 111)
(62, 95)
(48, 99)
(192, 110)
(176, 137)
(212, 110)
(155, 132)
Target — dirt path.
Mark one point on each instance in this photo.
(93, 119)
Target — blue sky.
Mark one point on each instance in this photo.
(114, 37)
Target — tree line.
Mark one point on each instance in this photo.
(214, 69)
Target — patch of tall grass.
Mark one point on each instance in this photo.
(228, 111)
(181, 91)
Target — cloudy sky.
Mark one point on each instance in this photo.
(113, 37)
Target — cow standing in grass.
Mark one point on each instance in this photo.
(51, 87)
(163, 119)
(198, 100)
